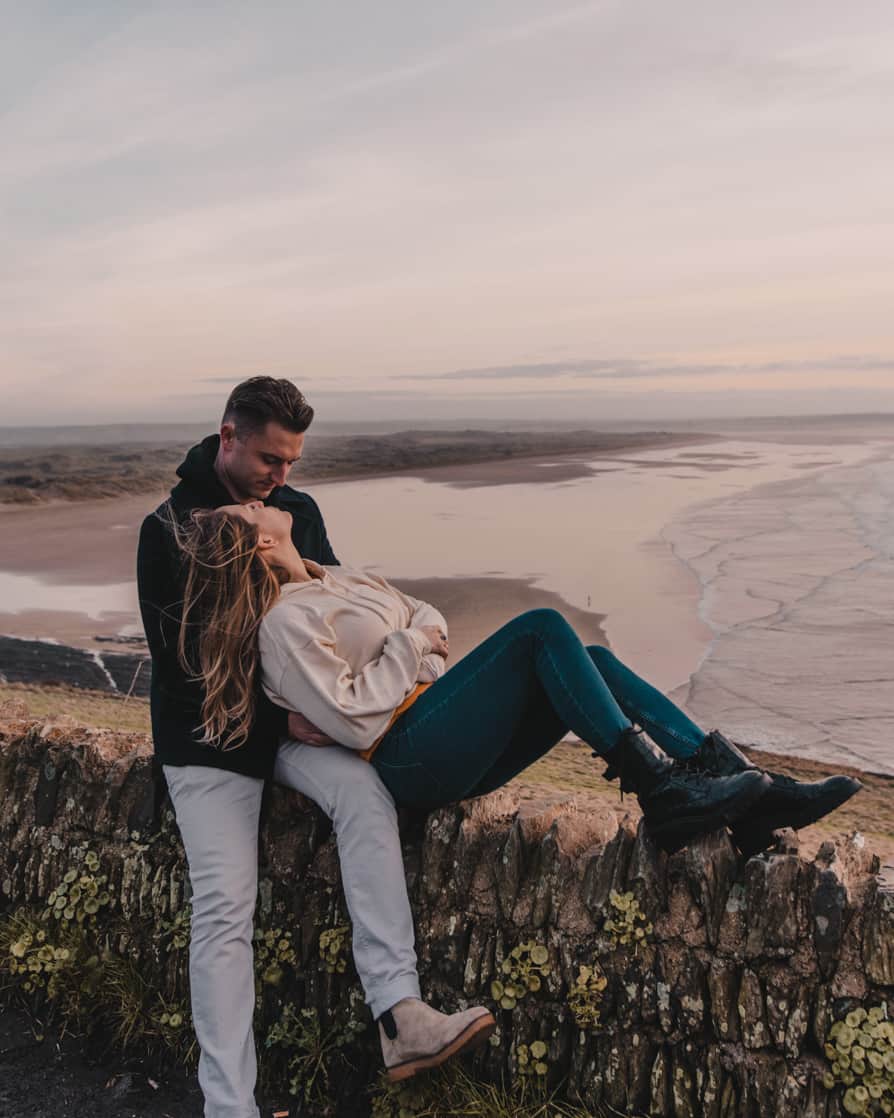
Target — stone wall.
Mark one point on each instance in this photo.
(721, 1008)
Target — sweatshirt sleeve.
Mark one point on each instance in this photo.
(421, 613)
(432, 668)
(424, 613)
(302, 671)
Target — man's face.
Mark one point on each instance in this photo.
(256, 464)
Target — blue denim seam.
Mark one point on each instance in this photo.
(647, 720)
(403, 770)
(573, 699)
(396, 766)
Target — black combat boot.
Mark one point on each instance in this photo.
(677, 804)
(788, 802)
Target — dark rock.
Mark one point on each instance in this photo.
(25, 661)
(878, 937)
(752, 1021)
(606, 871)
(772, 897)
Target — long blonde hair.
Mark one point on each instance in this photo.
(228, 589)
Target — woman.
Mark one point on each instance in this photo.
(366, 664)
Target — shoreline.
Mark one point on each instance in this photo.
(83, 551)
(82, 472)
(496, 539)
(778, 637)
(475, 608)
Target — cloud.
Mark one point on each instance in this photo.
(208, 189)
(631, 369)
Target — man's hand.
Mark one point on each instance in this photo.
(304, 731)
(438, 639)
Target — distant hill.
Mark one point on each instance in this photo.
(185, 434)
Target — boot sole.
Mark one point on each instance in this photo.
(675, 834)
(751, 837)
(475, 1034)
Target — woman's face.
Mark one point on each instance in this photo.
(274, 525)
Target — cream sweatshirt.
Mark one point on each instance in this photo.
(345, 650)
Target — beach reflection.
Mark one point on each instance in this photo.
(20, 593)
(596, 541)
(751, 579)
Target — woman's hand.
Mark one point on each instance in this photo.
(437, 638)
(303, 730)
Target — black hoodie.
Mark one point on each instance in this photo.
(175, 700)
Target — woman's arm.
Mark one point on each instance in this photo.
(420, 613)
(432, 668)
(302, 671)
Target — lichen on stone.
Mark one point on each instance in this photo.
(585, 996)
(860, 1048)
(273, 953)
(523, 971)
(530, 1059)
(627, 924)
(333, 949)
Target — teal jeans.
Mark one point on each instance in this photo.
(509, 701)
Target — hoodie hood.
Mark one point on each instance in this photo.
(198, 475)
(198, 465)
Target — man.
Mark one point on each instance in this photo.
(217, 793)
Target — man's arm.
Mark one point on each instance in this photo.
(158, 593)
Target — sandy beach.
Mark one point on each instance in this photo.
(668, 554)
(67, 568)
(67, 563)
(42, 566)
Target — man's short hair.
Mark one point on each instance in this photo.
(259, 400)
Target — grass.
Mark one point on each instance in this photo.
(87, 708)
(450, 1092)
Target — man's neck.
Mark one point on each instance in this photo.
(223, 478)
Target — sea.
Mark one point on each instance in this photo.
(750, 577)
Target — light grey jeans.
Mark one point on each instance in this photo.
(217, 813)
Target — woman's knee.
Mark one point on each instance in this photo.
(545, 621)
(601, 656)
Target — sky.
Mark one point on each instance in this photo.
(615, 209)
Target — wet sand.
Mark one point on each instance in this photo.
(537, 471)
(89, 542)
(684, 560)
(580, 535)
(474, 607)
(84, 553)
(70, 565)
(477, 607)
